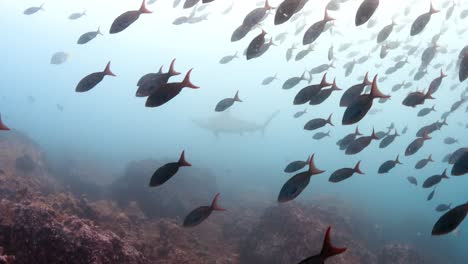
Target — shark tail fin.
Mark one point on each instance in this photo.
(268, 121)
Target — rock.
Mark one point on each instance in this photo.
(190, 188)
(403, 254)
(288, 233)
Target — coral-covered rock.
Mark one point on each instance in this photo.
(190, 188)
(38, 234)
(403, 254)
(288, 233)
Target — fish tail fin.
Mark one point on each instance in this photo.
(99, 31)
(357, 131)
(444, 122)
(312, 168)
(2, 125)
(182, 161)
(329, 121)
(84, 13)
(357, 168)
(374, 136)
(267, 5)
(268, 121)
(327, 17)
(186, 82)
(396, 133)
(214, 204)
(430, 158)
(397, 161)
(41, 7)
(444, 174)
(442, 74)
(328, 250)
(108, 71)
(236, 97)
(236, 55)
(433, 10)
(143, 9)
(172, 71)
(375, 92)
(433, 108)
(335, 86)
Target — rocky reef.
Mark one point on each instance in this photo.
(45, 219)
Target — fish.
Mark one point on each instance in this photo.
(59, 107)
(405, 129)
(59, 58)
(287, 9)
(365, 11)
(227, 102)
(360, 144)
(349, 67)
(76, 16)
(190, 3)
(385, 32)
(254, 17)
(422, 163)
(321, 68)
(456, 155)
(426, 111)
(328, 250)
(398, 86)
(289, 52)
(412, 180)
(324, 94)
(416, 145)
(306, 93)
(421, 22)
(88, 36)
(301, 54)
(419, 75)
(300, 113)
(360, 106)
(435, 179)
(318, 123)
(314, 31)
(151, 82)
(448, 222)
(388, 165)
(296, 165)
(200, 214)
(431, 128)
(460, 167)
(431, 195)
(320, 135)
(345, 141)
(354, 92)
(225, 123)
(463, 72)
(3, 127)
(270, 79)
(435, 84)
(450, 10)
(167, 171)
(169, 91)
(296, 184)
(281, 37)
(254, 47)
(450, 140)
(443, 207)
(416, 98)
(293, 81)
(388, 140)
(240, 32)
(93, 79)
(345, 173)
(123, 21)
(33, 10)
(330, 54)
(229, 58)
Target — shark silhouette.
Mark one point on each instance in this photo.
(228, 124)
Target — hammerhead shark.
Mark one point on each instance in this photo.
(228, 124)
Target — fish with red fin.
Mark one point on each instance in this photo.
(126, 19)
(167, 171)
(328, 250)
(200, 214)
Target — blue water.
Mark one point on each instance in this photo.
(111, 125)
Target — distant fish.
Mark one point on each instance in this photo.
(227, 102)
(345, 173)
(321, 135)
(348, 139)
(450, 220)
(435, 84)
(328, 250)
(59, 107)
(201, 213)
(151, 82)
(426, 111)
(88, 36)
(308, 92)
(255, 45)
(190, 3)
(33, 10)
(422, 163)
(359, 107)
(229, 58)
(254, 17)
(420, 23)
(314, 31)
(296, 184)
(416, 145)
(443, 207)
(385, 32)
(59, 58)
(76, 16)
(463, 72)
(416, 98)
(3, 126)
(460, 167)
(169, 91)
(450, 140)
(293, 81)
(360, 144)
(296, 165)
(431, 128)
(270, 79)
(93, 79)
(412, 180)
(126, 19)
(388, 165)
(388, 140)
(435, 179)
(318, 123)
(431, 195)
(301, 54)
(167, 171)
(300, 113)
(365, 11)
